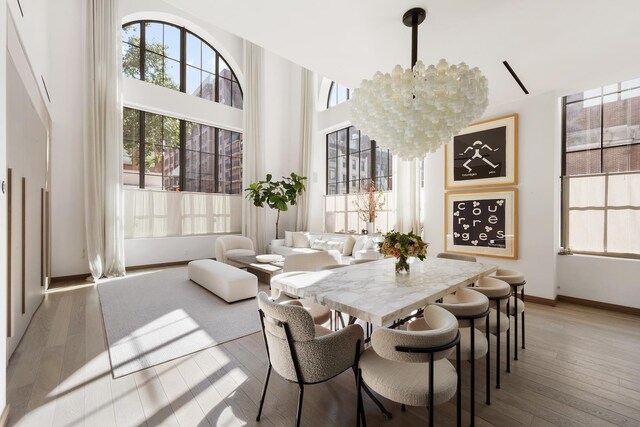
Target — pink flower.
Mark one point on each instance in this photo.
(397, 245)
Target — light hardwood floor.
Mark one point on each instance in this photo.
(581, 368)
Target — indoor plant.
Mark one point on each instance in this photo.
(402, 246)
(368, 205)
(278, 195)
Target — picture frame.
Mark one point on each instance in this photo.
(484, 154)
(482, 223)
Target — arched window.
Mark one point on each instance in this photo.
(337, 94)
(167, 152)
(173, 57)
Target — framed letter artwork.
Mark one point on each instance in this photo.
(483, 223)
(484, 154)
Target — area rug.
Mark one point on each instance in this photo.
(154, 317)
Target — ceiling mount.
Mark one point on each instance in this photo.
(415, 16)
(412, 18)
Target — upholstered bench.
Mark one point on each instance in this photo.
(229, 283)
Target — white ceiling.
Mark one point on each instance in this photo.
(551, 44)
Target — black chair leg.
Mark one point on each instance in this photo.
(488, 363)
(515, 328)
(360, 419)
(459, 387)
(403, 408)
(472, 403)
(299, 413)
(498, 339)
(508, 337)
(522, 296)
(264, 392)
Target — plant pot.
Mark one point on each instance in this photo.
(402, 265)
(371, 227)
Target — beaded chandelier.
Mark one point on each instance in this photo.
(414, 111)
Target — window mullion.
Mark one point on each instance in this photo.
(143, 50)
(216, 161)
(183, 154)
(183, 60)
(141, 147)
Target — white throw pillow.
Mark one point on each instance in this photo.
(318, 244)
(359, 245)
(368, 244)
(300, 240)
(288, 238)
(348, 246)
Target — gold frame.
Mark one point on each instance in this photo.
(450, 184)
(483, 252)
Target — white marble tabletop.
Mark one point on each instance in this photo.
(375, 293)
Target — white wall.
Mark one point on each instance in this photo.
(610, 280)
(66, 35)
(3, 198)
(169, 249)
(282, 130)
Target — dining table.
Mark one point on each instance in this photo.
(375, 293)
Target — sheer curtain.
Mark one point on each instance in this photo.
(307, 114)
(253, 159)
(406, 186)
(102, 119)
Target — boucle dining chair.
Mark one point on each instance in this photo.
(299, 263)
(469, 307)
(411, 367)
(457, 257)
(304, 353)
(498, 291)
(516, 280)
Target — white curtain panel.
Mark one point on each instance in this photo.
(253, 158)
(151, 213)
(406, 186)
(307, 114)
(102, 118)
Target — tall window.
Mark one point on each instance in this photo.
(353, 160)
(337, 94)
(212, 157)
(601, 169)
(173, 57)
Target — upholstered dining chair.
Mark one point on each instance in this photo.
(516, 280)
(300, 263)
(498, 292)
(457, 257)
(233, 245)
(469, 307)
(304, 353)
(411, 367)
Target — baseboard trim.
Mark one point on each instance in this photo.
(72, 277)
(598, 304)
(4, 418)
(539, 300)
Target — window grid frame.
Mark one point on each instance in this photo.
(142, 143)
(182, 61)
(565, 208)
(374, 153)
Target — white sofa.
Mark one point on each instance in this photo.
(343, 247)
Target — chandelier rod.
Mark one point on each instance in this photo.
(413, 18)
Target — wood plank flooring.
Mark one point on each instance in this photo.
(581, 368)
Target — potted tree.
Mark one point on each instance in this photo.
(278, 195)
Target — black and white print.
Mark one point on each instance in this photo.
(480, 155)
(479, 223)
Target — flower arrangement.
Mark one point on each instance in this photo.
(402, 246)
(368, 204)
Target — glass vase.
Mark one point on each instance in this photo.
(402, 265)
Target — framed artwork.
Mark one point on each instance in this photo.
(484, 154)
(483, 223)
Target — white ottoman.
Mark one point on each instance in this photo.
(229, 283)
